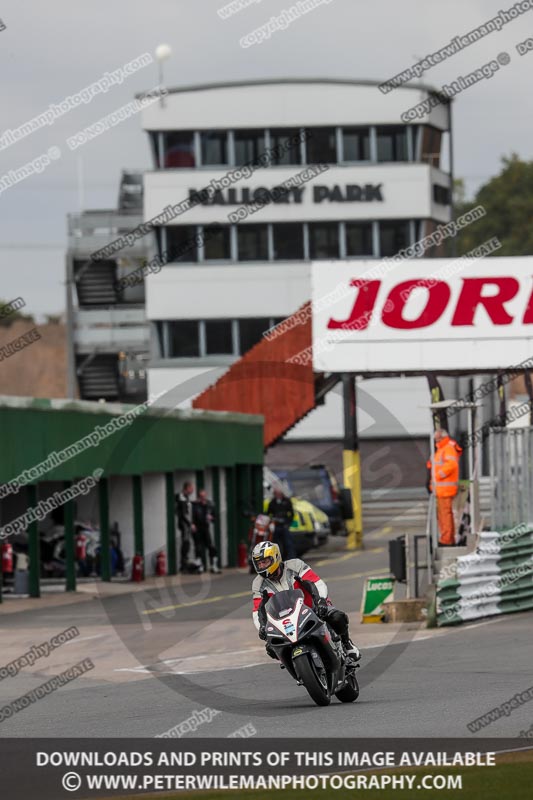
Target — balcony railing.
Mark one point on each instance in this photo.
(94, 229)
(111, 329)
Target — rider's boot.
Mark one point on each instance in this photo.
(352, 651)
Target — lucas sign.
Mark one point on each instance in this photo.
(422, 314)
(376, 591)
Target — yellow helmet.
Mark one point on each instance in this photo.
(266, 558)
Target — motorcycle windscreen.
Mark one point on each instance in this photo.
(283, 604)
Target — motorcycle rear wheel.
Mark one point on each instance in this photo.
(307, 673)
(350, 692)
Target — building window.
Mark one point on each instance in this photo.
(356, 144)
(183, 339)
(321, 146)
(154, 146)
(159, 329)
(431, 145)
(324, 239)
(217, 243)
(286, 146)
(251, 331)
(393, 237)
(359, 239)
(426, 228)
(181, 243)
(288, 241)
(252, 242)
(214, 147)
(249, 146)
(441, 195)
(218, 337)
(179, 149)
(392, 143)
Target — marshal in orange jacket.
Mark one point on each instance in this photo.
(446, 467)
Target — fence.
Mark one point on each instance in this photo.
(511, 474)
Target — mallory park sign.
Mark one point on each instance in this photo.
(349, 193)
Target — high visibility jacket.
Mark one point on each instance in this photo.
(444, 466)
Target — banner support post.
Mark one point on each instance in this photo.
(352, 462)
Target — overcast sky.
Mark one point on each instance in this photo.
(50, 50)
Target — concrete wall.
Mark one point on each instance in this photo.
(121, 511)
(274, 289)
(88, 508)
(385, 463)
(406, 194)
(287, 103)
(154, 519)
(180, 386)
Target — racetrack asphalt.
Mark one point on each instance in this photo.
(164, 652)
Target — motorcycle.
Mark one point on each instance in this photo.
(307, 648)
(262, 530)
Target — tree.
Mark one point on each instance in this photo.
(508, 201)
(9, 313)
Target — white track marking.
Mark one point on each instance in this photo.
(183, 658)
(86, 638)
(149, 669)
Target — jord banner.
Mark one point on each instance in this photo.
(422, 314)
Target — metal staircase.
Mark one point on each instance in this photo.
(95, 283)
(98, 377)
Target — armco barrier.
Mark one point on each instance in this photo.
(496, 579)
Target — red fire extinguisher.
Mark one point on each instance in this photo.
(137, 569)
(7, 558)
(242, 555)
(81, 547)
(161, 564)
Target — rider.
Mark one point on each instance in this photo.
(275, 575)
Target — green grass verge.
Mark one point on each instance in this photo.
(509, 781)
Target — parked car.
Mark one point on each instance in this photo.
(318, 485)
(310, 526)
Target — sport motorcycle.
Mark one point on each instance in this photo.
(305, 645)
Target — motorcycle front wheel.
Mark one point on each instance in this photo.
(314, 679)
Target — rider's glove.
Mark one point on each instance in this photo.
(322, 608)
(262, 633)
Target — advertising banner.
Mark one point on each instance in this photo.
(376, 591)
(422, 314)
